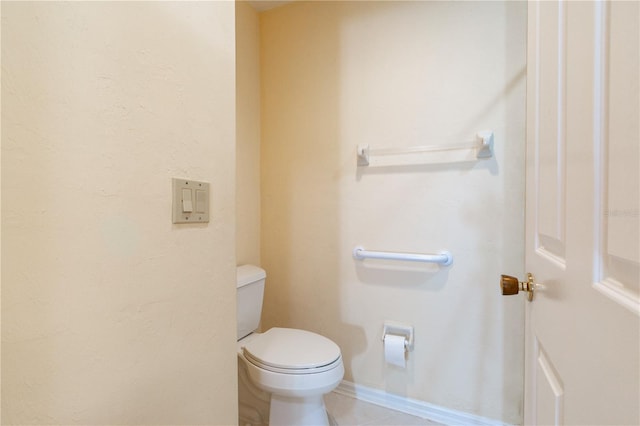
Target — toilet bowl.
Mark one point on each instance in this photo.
(295, 367)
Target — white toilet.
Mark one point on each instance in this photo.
(295, 367)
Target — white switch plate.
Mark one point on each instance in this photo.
(199, 203)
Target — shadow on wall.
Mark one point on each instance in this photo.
(301, 143)
(402, 275)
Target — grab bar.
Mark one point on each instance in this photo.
(444, 258)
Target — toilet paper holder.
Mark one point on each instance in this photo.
(399, 329)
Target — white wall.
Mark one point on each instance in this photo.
(248, 134)
(337, 74)
(111, 314)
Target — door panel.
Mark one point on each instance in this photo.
(550, 131)
(617, 274)
(549, 392)
(582, 361)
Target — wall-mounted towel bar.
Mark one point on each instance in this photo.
(443, 258)
(480, 149)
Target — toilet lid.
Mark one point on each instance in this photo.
(291, 349)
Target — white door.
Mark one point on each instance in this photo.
(583, 235)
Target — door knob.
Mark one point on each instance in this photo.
(510, 286)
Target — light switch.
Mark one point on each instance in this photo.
(201, 201)
(190, 201)
(187, 202)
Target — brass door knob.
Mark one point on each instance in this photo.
(510, 286)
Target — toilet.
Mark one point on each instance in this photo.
(293, 367)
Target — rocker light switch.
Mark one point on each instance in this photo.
(201, 200)
(187, 203)
(190, 201)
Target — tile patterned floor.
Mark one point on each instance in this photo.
(349, 411)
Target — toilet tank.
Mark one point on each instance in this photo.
(250, 290)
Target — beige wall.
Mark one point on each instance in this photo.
(248, 134)
(337, 74)
(111, 314)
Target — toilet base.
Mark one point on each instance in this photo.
(288, 411)
(253, 403)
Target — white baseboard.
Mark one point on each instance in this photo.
(413, 406)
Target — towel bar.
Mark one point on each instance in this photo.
(482, 148)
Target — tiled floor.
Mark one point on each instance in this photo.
(349, 411)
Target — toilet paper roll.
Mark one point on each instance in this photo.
(394, 350)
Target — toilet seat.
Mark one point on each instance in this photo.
(292, 351)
